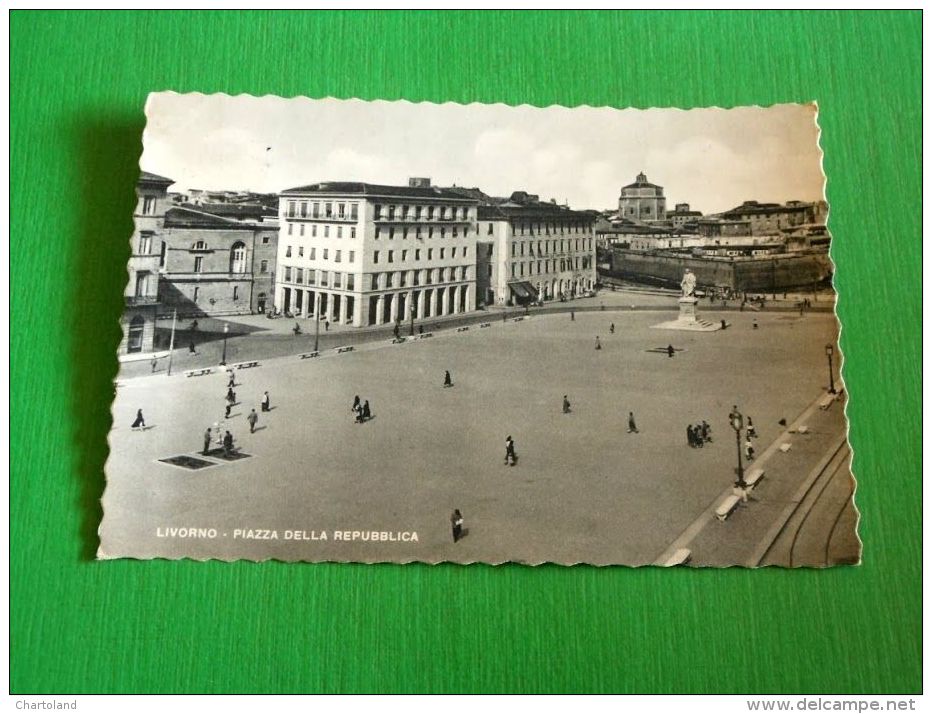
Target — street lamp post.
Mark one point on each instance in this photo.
(737, 423)
(226, 330)
(829, 351)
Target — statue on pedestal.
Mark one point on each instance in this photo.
(688, 284)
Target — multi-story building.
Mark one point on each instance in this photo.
(142, 289)
(642, 201)
(529, 251)
(218, 259)
(364, 254)
(773, 218)
(682, 215)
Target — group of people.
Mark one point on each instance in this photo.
(698, 434)
(226, 441)
(361, 410)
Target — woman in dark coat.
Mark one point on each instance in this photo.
(366, 414)
(139, 422)
(456, 521)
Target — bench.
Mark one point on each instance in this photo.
(398, 340)
(341, 350)
(425, 335)
(517, 319)
(198, 372)
(754, 477)
(309, 355)
(486, 324)
(246, 365)
(826, 401)
(679, 557)
(727, 506)
(462, 329)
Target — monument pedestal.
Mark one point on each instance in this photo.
(688, 319)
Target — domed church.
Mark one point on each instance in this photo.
(642, 201)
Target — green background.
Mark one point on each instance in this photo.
(79, 83)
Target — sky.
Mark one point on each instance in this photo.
(713, 159)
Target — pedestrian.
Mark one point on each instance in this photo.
(192, 350)
(395, 331)
(611, 329)
(706, 431)
(755, 323)
(572, 312)
(296, 329)
(194, 326)
(598, 345)
(456, 520)
(748, 450)
(510, 456)
(690, 437)
(632, 427)
(447, 379)
(366, 414)
(154, 363)
(207, 439)
(326, 325)
(420, 329)
(139, 422)
(751, 431)
(227, 444)
(670, 350)
(266, 402)
(355, 403)
(253, 419)
(232, 382)
(566, 405)
(229, 408)
(231, 395)
(724, 324)
(358, 410)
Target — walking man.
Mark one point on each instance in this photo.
(266, 402)
(572, 315)
(670, 350)
(253, 419)
(366, 414)
(207, 438)
(632, 427)
(232, 382)
(566, 405)
(447, 379)
(598, 345)
(155, 363)
(748, 449)
(510, 457)
(611, 329)
(227, 444)
(456, 521)
(139, 422)
(192, 350)
(751, 431)
(355, 403)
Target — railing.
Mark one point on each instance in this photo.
(138, 300)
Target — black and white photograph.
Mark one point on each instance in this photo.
(380, 331)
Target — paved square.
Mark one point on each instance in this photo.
(584, 489)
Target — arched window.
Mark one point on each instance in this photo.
(134, 335)
(238, 258)
(200, 245)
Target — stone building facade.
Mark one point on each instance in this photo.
(141, 303)
(364, 254)
(530, 251)
(774, 218)
(218, 259)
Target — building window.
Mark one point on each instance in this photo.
(266, 240)
(313, 255)
(352, 256)
(455, 232)
(325, 253)
(354, 212)
(391, 232)
(290, 229)
(326, 231)
(311, 277)
(375, 257)
(352, 232)
(142, 283)
(430, 253)
(490, 271)
(417, 254)
(287, 274)
(301, 229)
(197, 292)
(287, 251)
(315, 210)
(263, 266)
(391, 213)
(145, 242)
(238, 258)
(391, 256)
(328, 210)
(303, 209)
(236, 292)
(313, 231)
(198, 263)
(378, 212)
(324, 277)
(443, 232)
(336, 256)
(512, 270)
(489, 232)
(163, 248)
(299, 275)
(339, 231)
(341, 210)
(404, 256)
(417, 213)
(378, 232)
(300, 251)
(430, 213)
(148, 205)
(291, 209)
(441, 253)
(337, 279)
(375, 281)
(349, 280)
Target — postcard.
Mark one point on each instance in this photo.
(390, 332)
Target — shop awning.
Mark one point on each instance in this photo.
(524, 291)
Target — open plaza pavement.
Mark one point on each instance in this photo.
(583, 490)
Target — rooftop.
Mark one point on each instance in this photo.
(146, 177)
(370, 189)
